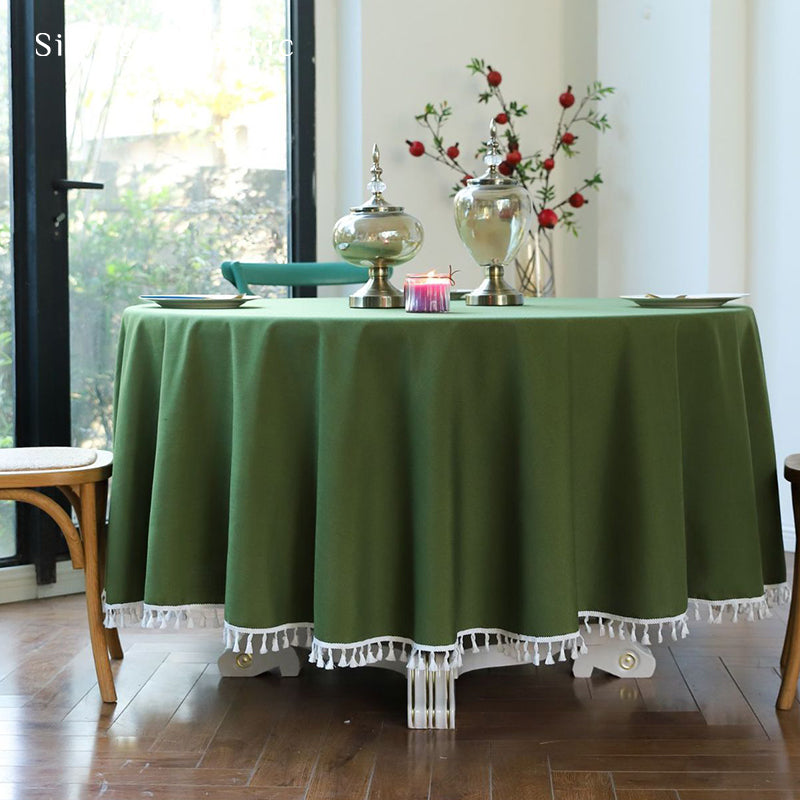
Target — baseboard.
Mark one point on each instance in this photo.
(788, 540)
(19, 583)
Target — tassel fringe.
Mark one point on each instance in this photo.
(715, 611)
(524, 649)
(267, 640)
(530, 649)
(126, 615)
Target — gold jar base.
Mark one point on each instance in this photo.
(494, 291)
(377, 292)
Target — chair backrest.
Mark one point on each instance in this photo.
(241, 274)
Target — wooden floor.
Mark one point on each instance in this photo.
(703, 728)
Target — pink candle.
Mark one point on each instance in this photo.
(427, 293)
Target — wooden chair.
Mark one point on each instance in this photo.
(790, 657)
(82, 476)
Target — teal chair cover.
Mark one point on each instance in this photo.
(242, 274)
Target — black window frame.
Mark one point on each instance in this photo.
(40, 266)
(301, 142)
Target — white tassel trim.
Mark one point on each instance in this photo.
(267, 640)
(637, 629)
(530, 649)
(122, 615)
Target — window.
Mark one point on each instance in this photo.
(180, 110)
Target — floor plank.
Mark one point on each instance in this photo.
(759, 686)
(198, 717)
(714, 690)
(403, 764)
(717, 781)
(667, 689)
(683, 763)
(520, 772)
(239, 739)
(582, 786)
(291, 751)
(346, 761)
(746, 794)
(461, 771)
(155, 703)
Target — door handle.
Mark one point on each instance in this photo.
(62, 184)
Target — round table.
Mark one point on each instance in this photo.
(413, 487)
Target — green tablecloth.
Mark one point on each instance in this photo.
(416, 478)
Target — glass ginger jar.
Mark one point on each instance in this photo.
(377, 235)
(493, 214)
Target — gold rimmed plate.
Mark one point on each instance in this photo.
(199, 300)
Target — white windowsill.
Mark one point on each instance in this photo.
(19, 583)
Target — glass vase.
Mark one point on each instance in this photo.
(534, 265)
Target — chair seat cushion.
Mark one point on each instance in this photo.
(38, 459)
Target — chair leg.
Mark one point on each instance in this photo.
(791, 666)
(113, 644)
(112, 634)
(94, 608)
(789, 626)
(791, 670)
(790, 657)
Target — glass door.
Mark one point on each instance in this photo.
(179, 110)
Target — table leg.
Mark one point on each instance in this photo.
(246, 665)
(431, 693)
(431, 680)
(616, 656)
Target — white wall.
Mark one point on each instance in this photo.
(728, 147)
(576, 258)
(653, 219)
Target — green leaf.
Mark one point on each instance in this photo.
(546, 194)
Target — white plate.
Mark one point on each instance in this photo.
(686, 301)
(199, 300)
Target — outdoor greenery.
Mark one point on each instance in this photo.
(151, 242)
(175, 204)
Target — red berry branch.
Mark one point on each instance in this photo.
(535, 170)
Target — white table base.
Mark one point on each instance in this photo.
(244, 665)
(431, 693)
